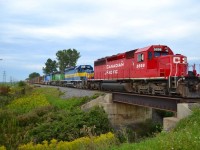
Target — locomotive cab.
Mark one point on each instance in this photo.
(153, 62)
(85, 68)
(85, 72)
(159, 60)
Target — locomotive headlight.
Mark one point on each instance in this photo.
(184, 59)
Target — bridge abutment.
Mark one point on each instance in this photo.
(120, 114)
(183, 110)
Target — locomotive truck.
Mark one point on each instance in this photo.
(154, 70)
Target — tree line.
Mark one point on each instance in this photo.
(65, 58)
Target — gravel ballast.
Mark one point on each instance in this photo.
(73, 92)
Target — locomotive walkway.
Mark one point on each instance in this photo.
(157, 102)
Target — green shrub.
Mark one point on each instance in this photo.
(138, 131)
(163, 113)
(19, 91)
(4, 89)
(66, 125)
(21, 84)
(35, 116)
(10, 133)
(5, 100)
(97, 116)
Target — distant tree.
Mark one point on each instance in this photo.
(21, 83)
(33, 75)
(67, 58)
(50, 66)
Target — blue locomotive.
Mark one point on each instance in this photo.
(73, 76)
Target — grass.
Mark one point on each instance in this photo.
(67, 104)
(185, 136)
(53, 94)
(43, 115)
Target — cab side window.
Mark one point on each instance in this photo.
(140, 57)
(77, 70)
(150, 55)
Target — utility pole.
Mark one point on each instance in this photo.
(4, 77)
(3, 74)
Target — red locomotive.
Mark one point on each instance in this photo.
(151, 70)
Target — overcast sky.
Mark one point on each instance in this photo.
(31, 31)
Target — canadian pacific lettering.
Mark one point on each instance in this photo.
(115, 65)
(111, 72)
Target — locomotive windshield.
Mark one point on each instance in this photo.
(161, 53)
(85, 68)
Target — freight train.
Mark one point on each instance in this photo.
(154, 70)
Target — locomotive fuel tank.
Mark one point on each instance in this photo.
(116, 86)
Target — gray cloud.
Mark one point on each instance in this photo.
(36, 29)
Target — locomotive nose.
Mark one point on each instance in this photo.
(176, 60)
(179, 59)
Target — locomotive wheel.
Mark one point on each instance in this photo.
(128, 87)
(153, 92)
